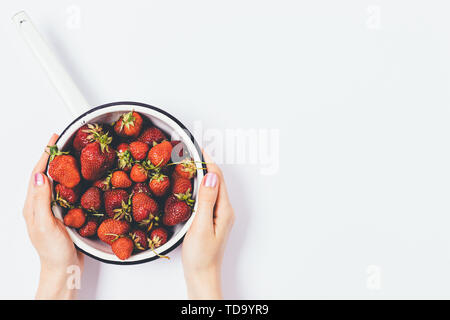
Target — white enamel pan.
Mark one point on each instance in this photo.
(106, 113)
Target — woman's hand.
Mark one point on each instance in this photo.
(49, 236)
(205, 241)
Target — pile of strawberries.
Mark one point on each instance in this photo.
(118, 183)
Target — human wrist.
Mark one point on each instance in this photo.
(57, 282)
(204, 284)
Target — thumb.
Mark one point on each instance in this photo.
(207, 199)
(42, 197)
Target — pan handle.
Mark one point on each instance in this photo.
(63, 83)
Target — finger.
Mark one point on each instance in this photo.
(224, 213)
(40, 167)
(42, 198)
(42, 163)
(222, 199)
(39, 183)
(207, 198)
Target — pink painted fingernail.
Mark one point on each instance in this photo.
(210, 180)
(38, 179)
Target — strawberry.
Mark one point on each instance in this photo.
(124, 161)
(152, 136)
(89, 229)
(138, 173)
(119, 179)
(75, 218)
(109, 229)
(97, 158)
(123, 147)
(169, 201)
(66, 197)
(140, 239)
(91, 199)
(141, 187)
(186, 169)
(159, 184)
(104, 183)
(158, 237)
(122, 248)
(63, 168)
(143, 207)
(160, 154)
(139, 150)
(181, 186)
(114, 200)
(174, 177)
(176, 211)
(129, 124)
(85, 135)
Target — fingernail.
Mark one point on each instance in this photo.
(210, 180)
(38, 179)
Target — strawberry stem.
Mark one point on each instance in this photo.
(53, 151)
(127, 120)
(153, 249)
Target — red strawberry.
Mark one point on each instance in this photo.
(85, 135)
(122, 248)
(97, 158)
(141, 187)
(143, 207)
(124, 162)
(103, 184)
(66, 197)
(89, 229)
(181, 186)
(140, 239)
(110, 229)
(129, 124)
(75, 218)
(152, 136)
(158, 237)
(174, 177)
(63, 168)
(159, 184)
(91, 199)
(138, 173)
(119, 179)
(123, 147)
(114, 199)
(176, 211)
(160, 154)
(186, 169)
(169, 201)
(139, 150)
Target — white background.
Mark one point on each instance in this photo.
(361, 103)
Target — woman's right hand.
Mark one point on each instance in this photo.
(49, 236)
(205, 241)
